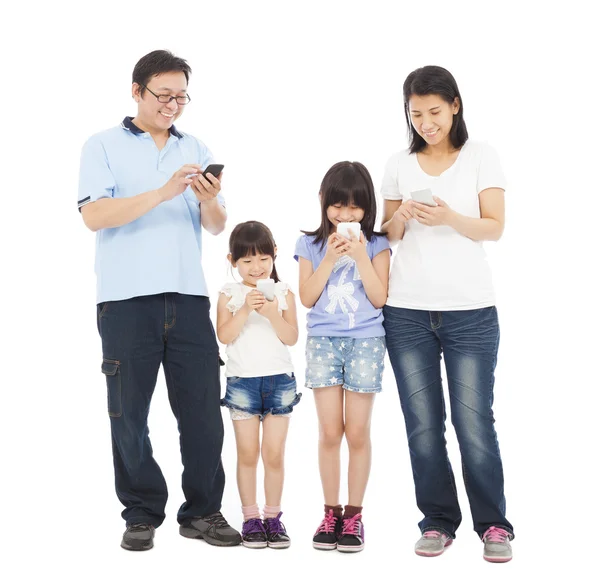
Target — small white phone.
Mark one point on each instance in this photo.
(267, 287)
(424, 196)
(347, 228)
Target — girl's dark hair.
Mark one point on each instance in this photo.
(156, 63)
(348, 183)
(250, 238)
(437, 81)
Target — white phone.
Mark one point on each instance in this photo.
(347, 228)
(424, 196)
(267, 287)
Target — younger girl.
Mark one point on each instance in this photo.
(261, 386)
(344, 283)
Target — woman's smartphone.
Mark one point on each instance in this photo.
(424, 196)
(214, 169)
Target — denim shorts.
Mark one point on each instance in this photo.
(355, 364)
(262, 395)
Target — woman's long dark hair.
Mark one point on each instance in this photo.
(250, 238)
(347, 183)
(434, 80)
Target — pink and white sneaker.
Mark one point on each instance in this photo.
(496, 545)
(432, 544)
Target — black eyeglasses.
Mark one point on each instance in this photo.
(182, 100)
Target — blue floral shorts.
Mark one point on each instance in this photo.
(355, 364)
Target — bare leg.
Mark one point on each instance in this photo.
(248, 446)
(330, 410)
(275, 430)
(359, 407)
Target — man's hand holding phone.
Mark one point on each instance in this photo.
(207, 185)
(179, 182)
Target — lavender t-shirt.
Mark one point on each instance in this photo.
(343, 309)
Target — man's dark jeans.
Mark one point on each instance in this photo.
(138, 335)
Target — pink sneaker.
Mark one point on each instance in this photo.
(496, 545)
(432, 544)
(328, 532)
(352, 538)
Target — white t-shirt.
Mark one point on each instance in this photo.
(256, 351)
(436, 268)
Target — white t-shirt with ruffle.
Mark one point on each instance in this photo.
(256, 351)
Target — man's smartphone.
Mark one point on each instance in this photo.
(214, 170)
(424, 196)
(267, 287)
(345, 228)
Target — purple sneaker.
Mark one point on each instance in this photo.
(276, 535)
(253, 534)
(352, 538)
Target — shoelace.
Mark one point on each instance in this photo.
(352, 525)
(432, 534)
(274, 525)
(252, 526)
(216, 520)
(494, 534)
(328, 523)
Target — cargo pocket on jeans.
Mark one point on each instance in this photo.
(112, 370)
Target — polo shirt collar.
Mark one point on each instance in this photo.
(128, 124)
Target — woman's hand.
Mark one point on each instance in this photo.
(405, 212)
(427, 215)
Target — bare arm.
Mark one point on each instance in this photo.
(111, 213)
(375, 275)
(487, 227)
(229, 326)
(491, 224)
(213, 216)
(313, 282)
(395, 215)
(286, 324)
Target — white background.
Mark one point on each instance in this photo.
(280, 92)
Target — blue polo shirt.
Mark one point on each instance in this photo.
(162, 250)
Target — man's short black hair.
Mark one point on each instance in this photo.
(156, 63)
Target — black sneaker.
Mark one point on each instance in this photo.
(213, 528)
(352, 538)
(138, 537)
(276, 535)
(329, 531)
(254, 534)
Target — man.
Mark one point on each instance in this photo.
(142, 191)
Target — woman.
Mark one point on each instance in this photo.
(441, 301)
